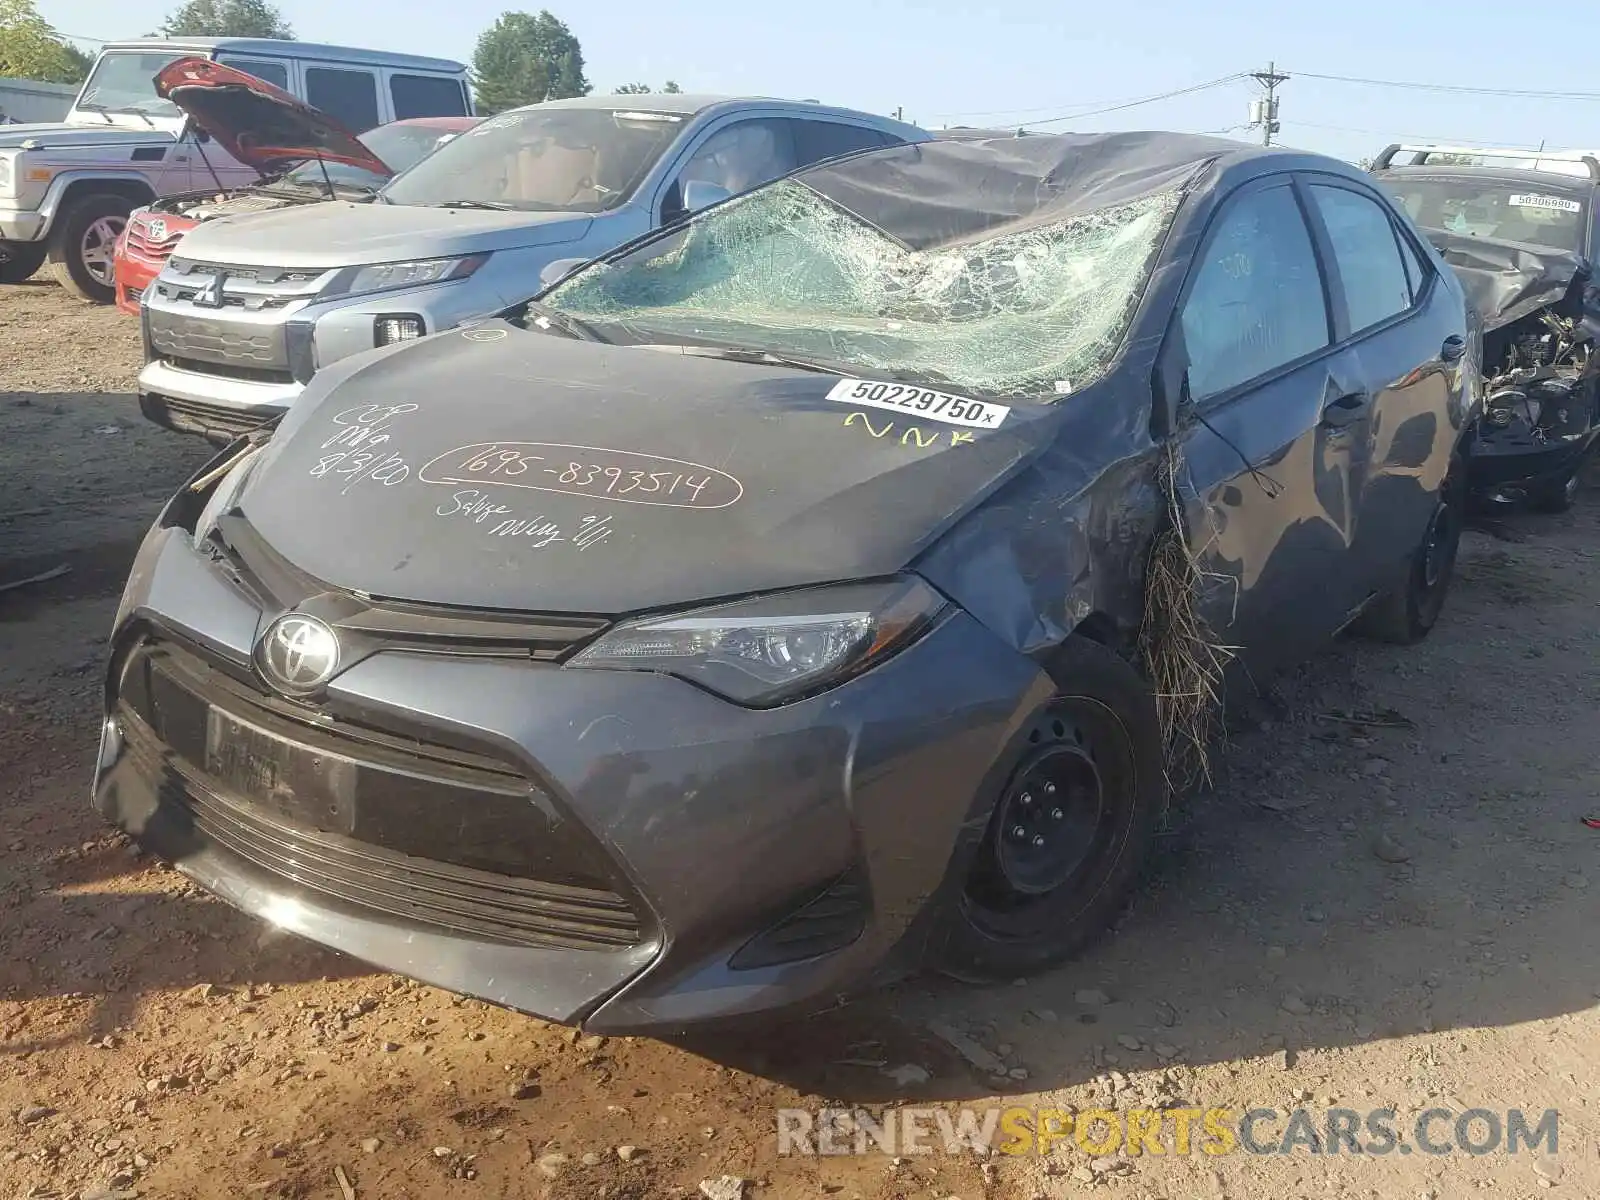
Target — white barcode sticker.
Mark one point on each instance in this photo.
(921, 402)
(1528, 200)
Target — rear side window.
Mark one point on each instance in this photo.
(1257, 302)
(426, 96)
(275, 73)
(1416, 268)
(1368, 254)
(817, 140)
(349, 97)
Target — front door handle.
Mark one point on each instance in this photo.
(1346, 410)
(1454, 347)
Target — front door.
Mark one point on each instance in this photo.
(1272, 448)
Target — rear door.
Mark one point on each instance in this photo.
(1391, 359)
(1268, 517)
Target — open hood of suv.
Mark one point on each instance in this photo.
(262, 126)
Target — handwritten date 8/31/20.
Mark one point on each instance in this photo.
(626, 476)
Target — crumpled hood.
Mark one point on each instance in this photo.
(262, 126)
(57, 136)
(1505, 281)
(344, 234)
(498, 468)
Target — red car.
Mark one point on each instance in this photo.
(302, 155)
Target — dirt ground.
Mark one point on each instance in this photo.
(1388, 901)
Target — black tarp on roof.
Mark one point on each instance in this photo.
(936, 193)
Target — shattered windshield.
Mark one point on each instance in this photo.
(1036, 312)
(542, 160)
(1503, 210)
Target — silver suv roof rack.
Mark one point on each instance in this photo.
(1420, 156)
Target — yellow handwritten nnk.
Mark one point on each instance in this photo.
(913, 435)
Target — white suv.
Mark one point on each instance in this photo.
(66, 188)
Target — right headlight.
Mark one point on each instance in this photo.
(776, 648)
(388, 277)
(8, 174)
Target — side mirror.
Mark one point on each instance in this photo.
(555, 272)
(698, 194)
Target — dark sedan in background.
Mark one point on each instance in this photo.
(771, 607)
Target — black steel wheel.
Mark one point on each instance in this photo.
(1068, 828)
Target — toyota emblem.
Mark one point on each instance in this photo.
(158, 230)
(298, 654)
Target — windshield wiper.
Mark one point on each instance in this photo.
(105, 113)
(137, 112)
(739, 354)
(491, 205)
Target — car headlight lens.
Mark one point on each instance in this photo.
(388, 277)
(7, 174)
(777, 648)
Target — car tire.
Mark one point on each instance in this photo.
(83, 245)
(19, 260)
(1556, 495)
(1407, 614)
(1067, 831)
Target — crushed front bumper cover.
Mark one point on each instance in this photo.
(618, 850)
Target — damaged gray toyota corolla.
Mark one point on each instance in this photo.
(772, 607)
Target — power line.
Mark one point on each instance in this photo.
(1436, 139)
(1458, 88)
(1103, 106)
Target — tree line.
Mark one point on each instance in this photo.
(523, 58)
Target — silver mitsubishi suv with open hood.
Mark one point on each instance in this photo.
(248, 309)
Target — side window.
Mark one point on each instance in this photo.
(1257, 301)
(349, 97)
(743, 156)
(1368, 255)
(426, 96)
(1416, 267)
(275, 73)
(817, 140)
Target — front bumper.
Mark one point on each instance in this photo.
(21, 225)
(718, 826)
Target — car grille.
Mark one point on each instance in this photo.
(141, 243)
(134, 294)
(251, 289)
(372, 821)
(259, 347)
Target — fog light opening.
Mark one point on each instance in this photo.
(386, 331)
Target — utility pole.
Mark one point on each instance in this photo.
(1264, 112)
(899, 114)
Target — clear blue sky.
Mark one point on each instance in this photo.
(995, 62)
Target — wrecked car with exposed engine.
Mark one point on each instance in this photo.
(823, 588)
(1522, 240)
(301, 154)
